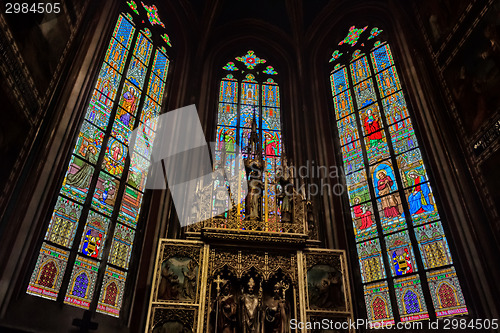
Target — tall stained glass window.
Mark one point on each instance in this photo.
(249, 93)
(401, 245)
(85, 255)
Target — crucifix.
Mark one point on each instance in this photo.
(85, 323)
(218, 281)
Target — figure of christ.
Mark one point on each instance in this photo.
(390, 202)
(81, 178)
(364, 216)
(419, 199)
(372, 128)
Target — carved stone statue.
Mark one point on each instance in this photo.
(285, 196)
(277, 311)
(251, 308)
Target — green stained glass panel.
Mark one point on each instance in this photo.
(138, 172)
(357, 187)
(270, 95)
(77, 179)
(412, 168)
(105, 193)
(136, 73)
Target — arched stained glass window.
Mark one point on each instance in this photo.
(100, 198)
(402, 248)
(250, 94)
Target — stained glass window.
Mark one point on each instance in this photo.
(397, 226)
(96, 213)
(247, 96)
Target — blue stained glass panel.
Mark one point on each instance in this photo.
(142, 49)
(94, 235)
(343, 104)
(228, 91)
(382, 58)
(108, 81)
(339, 81)
(247, 114)
(122, 126)
(124, 31)
(116, 55)
(136, 73)
(384, 180)
(421, 203)
(410, 299)
(271, 119)
(160, 66)
(249, 93)
(270, 95)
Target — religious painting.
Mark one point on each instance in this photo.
(123, 126)
(271, 144)
(446, 293)
(129, 99)
(371, 122)
(88, 144)
(400, 254)
(410, 299)
(326, 288)
(370, 260)
(439, 18)
(378, 304)
(411, 168)
(179, 279)
(247, 114)
(114, 159)
(226, 139)
(392, 217)
(473, 75)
